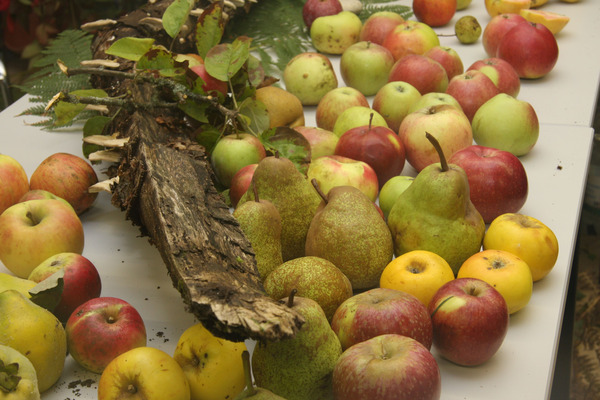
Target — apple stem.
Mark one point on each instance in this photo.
(131, 388)
(250, 389)
(371, 120)
(441, 304)
(290, 302)
(318, 189)
(33, 220)
(439, 150)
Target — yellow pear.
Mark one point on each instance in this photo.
(21, 378)
(36, 333)
(283, 107)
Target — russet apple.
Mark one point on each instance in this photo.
(81, 281)
(101, 329)
(332, 171)
(394, 100)
(309, 76)
(365, 66)
(332, 34)
(495, 30)
(434, 12)
(357, 116)
(424, 73)
(34, 230)
(446, 123)
(313, 9)
(448, 58)
(387, 367)
(470, 321)
(322, 142)
(378, 25)
(410, 37)
(501, 73)
(334, 102)
(240, 182)
(471, 89)
(233, 152)
(67, 176)
(391, 190)
(15, 182)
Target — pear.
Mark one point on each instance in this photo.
(348, 230)
(36, 333)
(18, 379)
(278, 180)
(261, 223)
(253, 392)
(283, 107)
(435, 213)
(307, 275)
(301, 367)
(13, 282)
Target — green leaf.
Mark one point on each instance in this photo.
(48, 292)
(65, 112)
(130, 48)
(209, 29)
(94, 126)
(176, 15)
(195, 110)
(208, 137)
(223, 61)
(163, 61)
(255, 116)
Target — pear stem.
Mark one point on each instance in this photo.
(439, 150)
(318, 189)
(255, 191)
(290, 302)
(250, 389)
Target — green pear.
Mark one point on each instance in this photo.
(278, 180)
(36, 333)
(349, 231)
(254, 392)
(300, 368)
(435, 213)
(332, 34)
(307, 275)
(261, 223)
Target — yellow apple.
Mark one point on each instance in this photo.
(143, 373)
(506, 272)
(213, 366)
(526, 237)
(418, 272)
(497, 7)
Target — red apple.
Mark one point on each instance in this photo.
(335, 102)
(81, 281)
(424, 73)
(234, 151)
(322, 142)
(313, 9)
(501, 73)
(470, 321)
(240, 183)
(67, 176)
(497, 180)
(378, 25)
(471, 89)
(15, 182)
(495, 30)
(387, 367)
(211, 84)
(410, 37)
(380, 311)
(393, 102)
(530, 48)
(448, 58)
(434, 12)
(446, 123)
(101, 329)
(378, 146)
(365, 66)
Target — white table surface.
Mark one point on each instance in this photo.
(523, 368)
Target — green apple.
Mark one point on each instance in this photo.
(391, 190)
(309, 76)
(365, 66)
(332, 34)
(506, 123)
(462, 4)
(322, 142)
(232, 153)
(394, 100)
(335, 102)
(357, 116)
(432, 99)
(21, 382)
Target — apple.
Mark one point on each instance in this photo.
(378, 146)
(34, 230)
(462, 4)
(530, 48)
(332, 34)
(211, 84)
(434, 12)
(424, 73)
(471, 89)
(334, 102)
(39, 194)
(501, 73)
(322, 142)
(391, 190)
(394, 100)
(234, 151)
(378, 25)
(81, 281)
(507, 124)
(191, 58)
(497, 7)
(332, 171)
(470, 321)
(432, 99)
(101, 329)
(143, 372)
(15, 182)
(240, 182)
(410, 37)
(496, 29)
(446, 123)
(497, 180)
(357, 116)
(313, 9)
(365, 66)
(67, 176)
(309, 76)
(387, 367)
(448, 58)
(381, 311)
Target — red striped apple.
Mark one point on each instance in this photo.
(501, 73)
(410, 37)
(448, 58)
(495, 30)
(15, 182)
(434, 12)
(471, 89)
(378, 25)
(332, 171)
(424, 73)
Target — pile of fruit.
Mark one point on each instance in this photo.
(382, 266)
